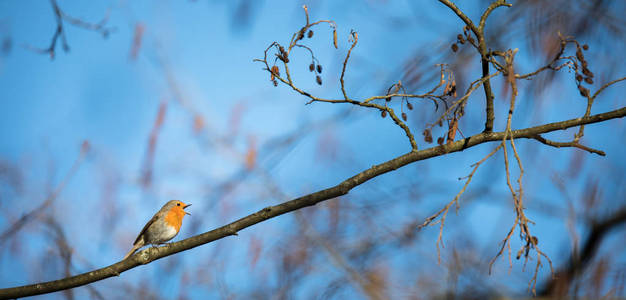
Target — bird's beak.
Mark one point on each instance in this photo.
(186, 205)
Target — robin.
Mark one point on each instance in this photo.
(163, 226)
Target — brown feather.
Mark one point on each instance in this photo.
(146, 227)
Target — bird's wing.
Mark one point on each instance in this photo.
(146, 227)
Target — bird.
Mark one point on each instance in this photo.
(163, 226)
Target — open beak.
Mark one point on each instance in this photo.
(186, 205)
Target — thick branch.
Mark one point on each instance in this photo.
(151, 254)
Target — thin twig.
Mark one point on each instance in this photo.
(59, 32)
(568, 144)
(355, 39)
(446, 208)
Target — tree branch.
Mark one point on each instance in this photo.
(482, 49)
(59, 32)
(151, 254)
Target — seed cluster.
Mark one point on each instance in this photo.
(462, 38)
(582, 72)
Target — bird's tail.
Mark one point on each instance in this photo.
(135, 247)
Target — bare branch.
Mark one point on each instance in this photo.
(59, 32)
(606, 85)
(490, 8)
(568, 144)
(355, 39)
(482, 50)
(461, 15)
(445, 210)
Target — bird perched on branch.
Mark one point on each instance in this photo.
(163, 226)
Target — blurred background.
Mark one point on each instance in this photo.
(128, 104)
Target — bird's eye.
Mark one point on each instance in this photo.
(178, 204)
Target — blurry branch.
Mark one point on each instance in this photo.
(151, 254)
(60, 16)
(558, 286)
(339, 260)
(24, 219)
(147, 172)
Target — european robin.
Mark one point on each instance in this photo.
(163, 226)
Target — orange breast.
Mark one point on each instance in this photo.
(174, 218)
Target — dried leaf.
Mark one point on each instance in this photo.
(452, 130)
(275, 70)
